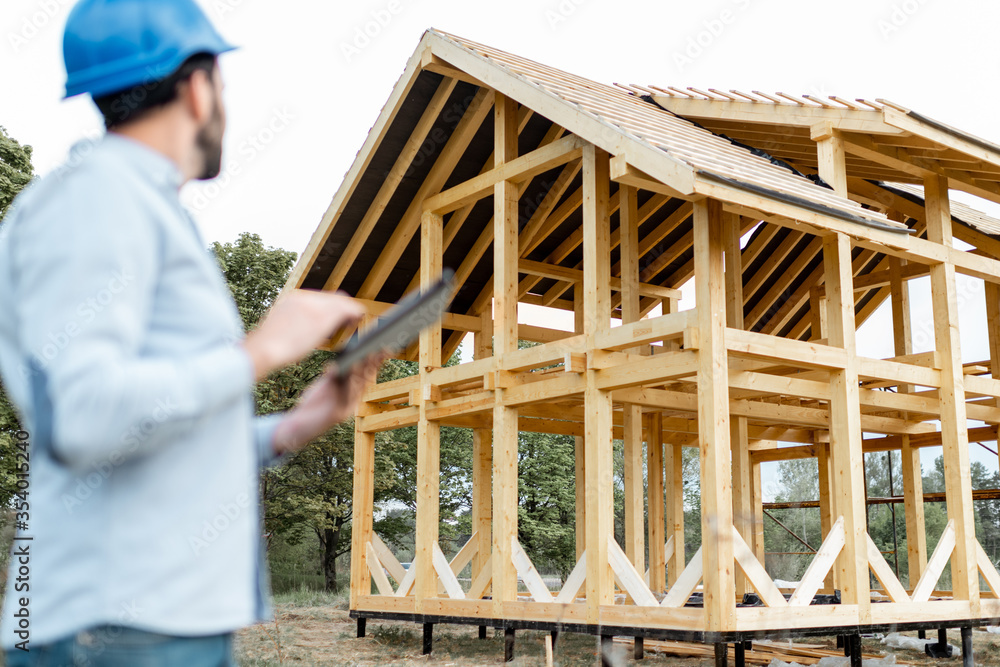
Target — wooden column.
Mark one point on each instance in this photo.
(504, 341)
(758, 508)
(826, 516)
(654, 489)
(363, 499)
(579, 452)
(598, 424)
(913, 484)
(713, 418)
(632, 414)
(993, 329)
(742, 502)
(482, 462)
(846, 457)
(428, 431)
(673, 466)
(954, 427)
(831, 156)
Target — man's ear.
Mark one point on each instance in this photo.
(200, 96)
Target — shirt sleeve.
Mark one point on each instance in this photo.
(263, 430)
(87, 265)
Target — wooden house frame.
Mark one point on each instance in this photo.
(541, 187)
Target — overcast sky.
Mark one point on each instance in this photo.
(311, 77)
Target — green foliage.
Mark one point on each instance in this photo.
(15, 169)
(547, 500)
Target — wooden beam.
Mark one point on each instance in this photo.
(654, 502)
(428, 430)
(376, 571)
(755, 573)
(846, 456)
(518, 170)
(830, 156)
(686, 582)
(596, 314)
(629, 578)
(826, 556)
(884, 574)
(935, 566)
(713, 418)
(954, 433)
(444, 572)
(482, 463)
(529, 575)
(505, 419)
(363, 499)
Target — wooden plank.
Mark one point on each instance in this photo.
(830, 156)
(635, 549)
(505, 419)
(448, 578)
(656, 574)
(685, 584)
(714, 418)
(387, 558)
(935, 565)
(755, 573)
(574, 582)
(481, 582)
(846, 454)
(954, 426)
(363, 499)
(395, 175)
(519, 169)
(428, 430)
(465, 554)
(987, 569)
(459, 140)
(406, 585)
(628, 576)
(884, 574)
(482, 463)
(377, 573)
(821, 563)
(763, 346)
(641, 332)
(529, 575)
(596, 314)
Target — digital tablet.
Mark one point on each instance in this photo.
(400, 325)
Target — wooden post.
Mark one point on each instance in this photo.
(826, 516)
(504, 342)
(713, 418)
(758, 517)
(913, 484)
(846, 457)
(579, 451)
(598, 424)
(428, 431)
(742, 505)
(954, 427)
(632, 414)
(364, 499)
(831, 156)
(654, 488)
(482, 462)
(993, 329)
(673, 465)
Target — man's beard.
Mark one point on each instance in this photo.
(209, 143)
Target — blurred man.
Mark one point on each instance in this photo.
(139, 535)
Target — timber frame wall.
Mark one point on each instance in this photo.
(693, 378)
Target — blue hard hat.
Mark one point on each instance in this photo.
(113, 45)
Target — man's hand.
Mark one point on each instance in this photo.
(326, 402)
(297, 323)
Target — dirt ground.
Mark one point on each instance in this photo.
(326, 635)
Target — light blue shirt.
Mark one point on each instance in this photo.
(119, 345)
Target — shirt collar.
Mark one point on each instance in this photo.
(153, 164)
